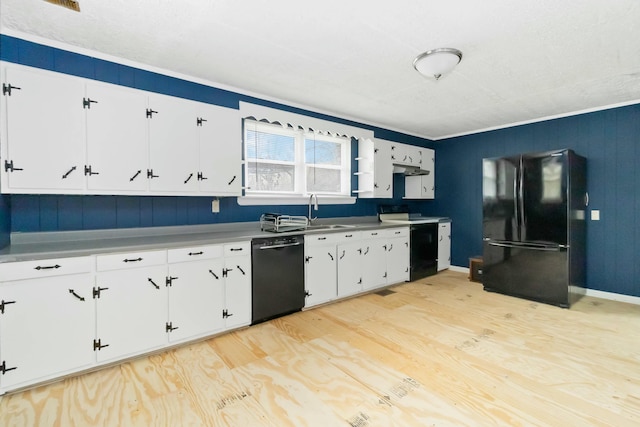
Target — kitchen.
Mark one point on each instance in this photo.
(610, 265)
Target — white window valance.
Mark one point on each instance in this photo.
(287, 119)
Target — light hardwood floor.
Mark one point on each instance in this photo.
(436, 352)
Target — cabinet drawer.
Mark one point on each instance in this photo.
(322, 239)
(44, 268)
(397, 232)
(347, 236)
(194, 253)
(130, 260)
(374, 234)
(239, 248)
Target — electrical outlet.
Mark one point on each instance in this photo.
(215, 206)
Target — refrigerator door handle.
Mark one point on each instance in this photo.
(529, 246)
(521, 234)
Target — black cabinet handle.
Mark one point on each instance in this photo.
(68, 172)
(367, 251)
(330, 256)
(214, 274)
(153, 283)
(72, 292)
(343, 254)
(47, 267)
(135, 176)
(241, 270)
(188, 178)
(235, 249)
(195, 253)
(132, 260)
(3, 303)
(232, 179)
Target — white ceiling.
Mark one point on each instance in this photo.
(523, 60)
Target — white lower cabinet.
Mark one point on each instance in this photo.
(237, 285)
(131, 304)
(196, 292)
(320, 268)
(46, 320)
(398, 255)
(349, 264)
(444, 245)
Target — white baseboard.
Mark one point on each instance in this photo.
(589, 292)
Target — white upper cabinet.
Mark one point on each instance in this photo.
(375, 170)
(43, 132)
(117, 148)
(220, 141)
(423, 186)
(173, 144)
(68, 135)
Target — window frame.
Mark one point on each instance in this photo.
(300, 190)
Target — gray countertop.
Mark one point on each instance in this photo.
(62, 244)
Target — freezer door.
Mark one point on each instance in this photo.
(543, 191)
(499, 198)
(535, 273)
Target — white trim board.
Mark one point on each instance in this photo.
(588, 292)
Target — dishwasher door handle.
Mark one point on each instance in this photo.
(280, 246)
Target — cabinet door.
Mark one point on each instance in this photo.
(383, 170)
(237, 288)
(196, 299)
(320, 274)
(117, 143)
(220, 141)
(131, 311)
(173, 145)
(444, 245)
(374, 263)
(349, 268)
(429, 180)
(44, 125)
(47, 328)
(398, 259)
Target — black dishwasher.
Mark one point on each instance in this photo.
(277, 285)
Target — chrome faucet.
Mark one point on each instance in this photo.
(312, 197)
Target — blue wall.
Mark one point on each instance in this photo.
(52, 212)
(610, 140)
(5, 220)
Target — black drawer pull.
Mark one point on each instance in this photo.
(48, 267)
(132, 260)
(195, 253)
(235, 249)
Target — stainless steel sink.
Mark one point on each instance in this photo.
(328, 226)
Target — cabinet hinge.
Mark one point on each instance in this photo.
(86, 102)
(169, 327)
(150, 174)
(97, 291)
(225, 314)
(199, 121)
(307, 294)
(4, 369)
(6, 89)
(88, 171)
(97, 345)
(201, 177)
(150, 113)
(8, 166)
(3, 304)
(169, 280)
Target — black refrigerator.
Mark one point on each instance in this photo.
(533, 226)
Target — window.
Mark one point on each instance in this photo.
(295, 162)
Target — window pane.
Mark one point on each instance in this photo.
(323, 180)
(270, 177)
(270, 146)
(322, 152)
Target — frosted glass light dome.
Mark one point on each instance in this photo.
(436, 62)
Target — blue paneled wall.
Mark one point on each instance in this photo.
(610, 140)
(51, 213)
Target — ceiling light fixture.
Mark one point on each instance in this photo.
(436, 62)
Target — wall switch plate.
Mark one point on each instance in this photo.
(215, 206)
(595, 215)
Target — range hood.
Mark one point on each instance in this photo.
(409, 170)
